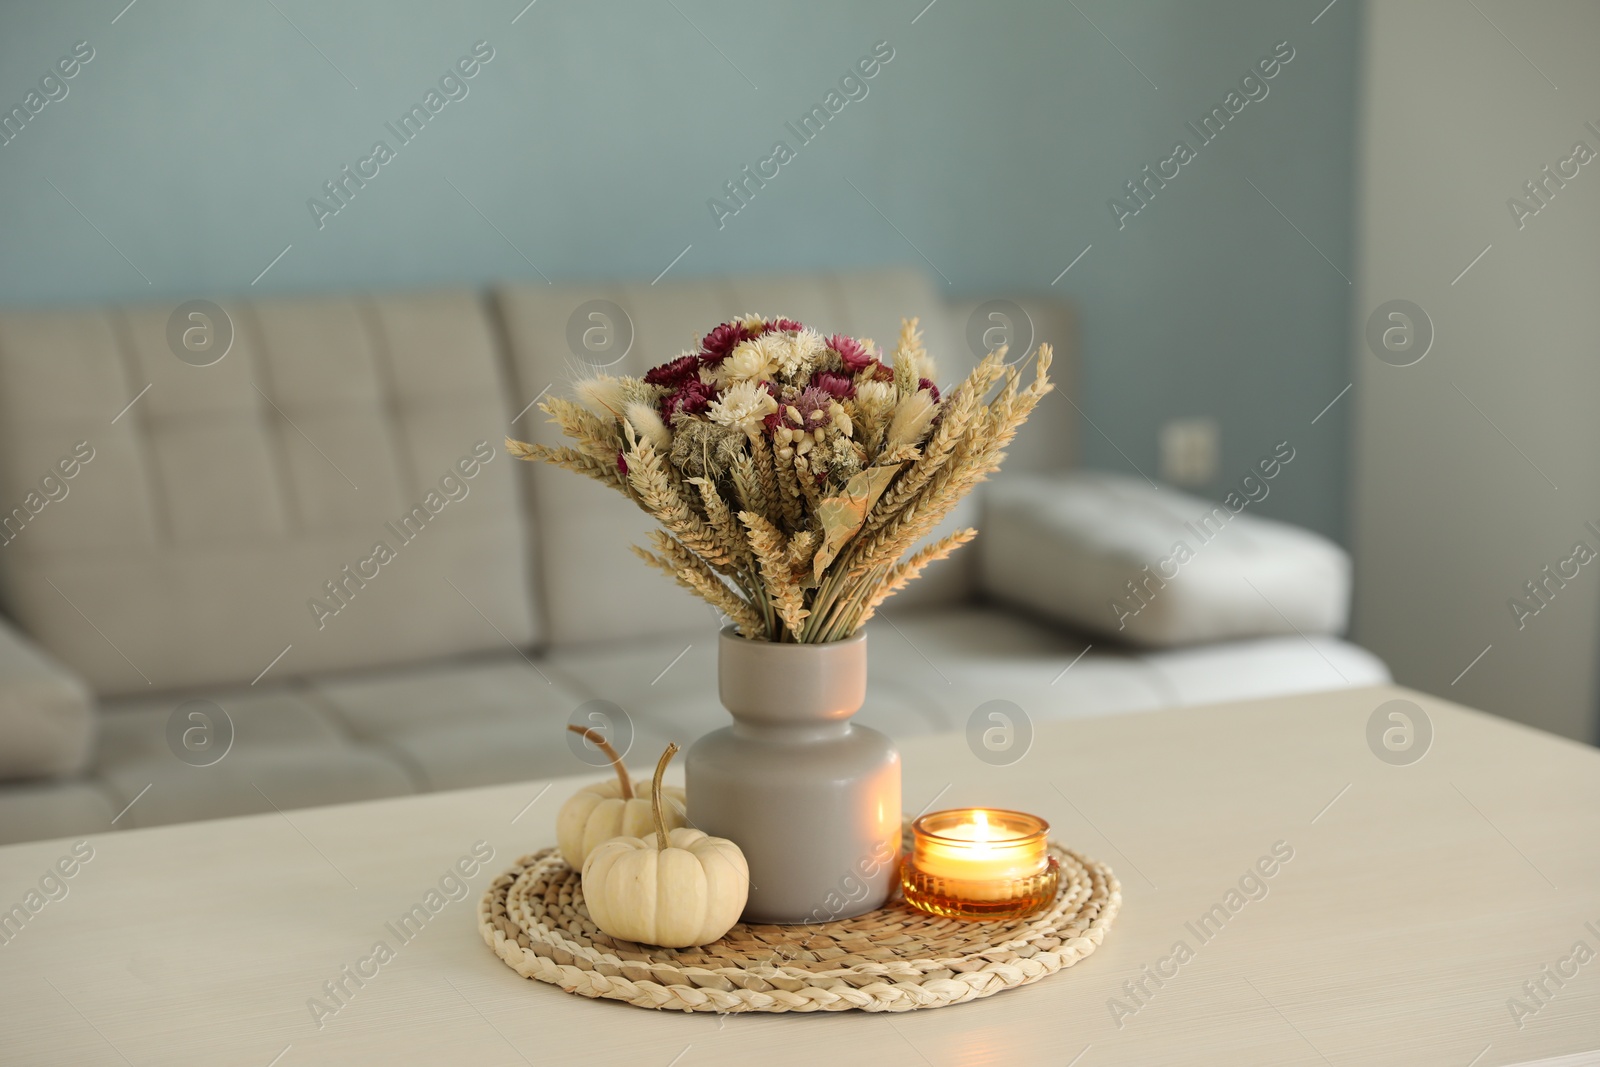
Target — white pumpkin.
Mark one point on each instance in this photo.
(676, 889)
(614, 808)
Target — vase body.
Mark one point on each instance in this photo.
(811, 798)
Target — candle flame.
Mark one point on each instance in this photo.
(982, 820)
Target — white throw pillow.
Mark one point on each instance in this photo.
(1116, 556)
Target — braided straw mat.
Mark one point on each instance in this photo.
(892, 959)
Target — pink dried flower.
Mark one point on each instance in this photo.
(788, 325)
(674, 372)
(837, 386)
(924, 383)
(813, 406)
(852, 352)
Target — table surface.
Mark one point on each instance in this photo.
(1419, 902)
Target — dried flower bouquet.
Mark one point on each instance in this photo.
(791, 472)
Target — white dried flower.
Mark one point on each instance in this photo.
(742, 405)
(751, 360)
(875, 398)
(812, 343)
(780, 348)
(800, 354)
(648, 425)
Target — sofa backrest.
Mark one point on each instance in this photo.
(591, 586)
(201, 525)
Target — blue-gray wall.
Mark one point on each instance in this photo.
(992, 142)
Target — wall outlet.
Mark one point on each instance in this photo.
(1189, 450)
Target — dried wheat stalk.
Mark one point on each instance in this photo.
(571, 459)
(666, 502)
(695, 575)
(772, 552)
(596, 436)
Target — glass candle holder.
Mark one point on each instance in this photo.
(979, 864)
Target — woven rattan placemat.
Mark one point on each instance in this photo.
(892, 959)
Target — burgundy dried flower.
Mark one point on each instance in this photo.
(721, 341)
(788, 325)
(692, 397)
(852, 352)
(622, 463)
(837, 386)
(924, 383)
(674, 372)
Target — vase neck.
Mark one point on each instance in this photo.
(791, 733)
(806, 689)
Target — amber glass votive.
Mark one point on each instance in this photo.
(979, 863)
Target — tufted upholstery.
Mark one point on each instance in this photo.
(213, 510)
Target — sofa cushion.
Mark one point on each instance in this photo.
(47, 715)
(251, 782)
(1118, 557)
(500, 717)
(954, 661)
(489, 719)
(32, 811)
(287, 752)
(1264, 667)
(134, 730)
(592, 587)
(202, 526)
(931, 671)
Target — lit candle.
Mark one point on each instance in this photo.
(979, 863)
(975, 850)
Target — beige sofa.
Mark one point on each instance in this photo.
(217, 540)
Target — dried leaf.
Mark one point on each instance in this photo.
(844, 513)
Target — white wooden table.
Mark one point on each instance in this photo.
(1419, 901)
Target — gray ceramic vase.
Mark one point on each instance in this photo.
(811, 798)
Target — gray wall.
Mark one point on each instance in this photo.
(1479, 466)
(992, 143)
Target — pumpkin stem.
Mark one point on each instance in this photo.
(655, 796)
(599, 740)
